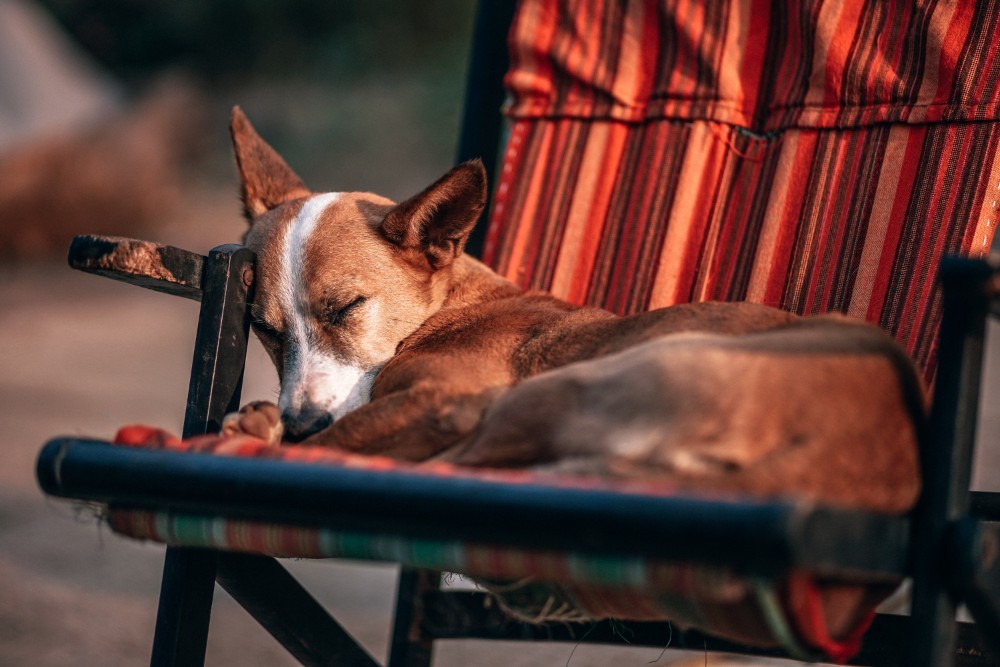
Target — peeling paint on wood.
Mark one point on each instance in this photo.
(151, 265)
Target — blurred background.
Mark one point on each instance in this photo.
(113, 114)
(113, 120)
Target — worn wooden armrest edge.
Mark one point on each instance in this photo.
(151, 265)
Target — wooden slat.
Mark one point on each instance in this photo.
(157, 267)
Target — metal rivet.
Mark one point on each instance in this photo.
(248, 276)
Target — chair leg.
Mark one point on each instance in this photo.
(946, 460)
(974, 569)
(216, 378)
(411, 647)
(269, 593)
(185, 607)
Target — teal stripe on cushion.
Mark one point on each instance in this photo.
(629, 572)
(350, 545)
(188, 529)
(425, 553)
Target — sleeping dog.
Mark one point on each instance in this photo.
(389, 340)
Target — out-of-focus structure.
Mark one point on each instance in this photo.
(75, 153)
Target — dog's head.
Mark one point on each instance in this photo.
(343, 277)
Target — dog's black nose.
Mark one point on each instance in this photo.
(300, 424)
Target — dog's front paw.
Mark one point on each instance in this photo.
(261, 419)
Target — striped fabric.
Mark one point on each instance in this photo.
(566, 587)
(532, 585)
(815, 156)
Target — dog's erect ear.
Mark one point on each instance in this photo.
(266, 180)
(435, 224)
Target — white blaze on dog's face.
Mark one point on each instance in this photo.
(343, 278)
(331, 302)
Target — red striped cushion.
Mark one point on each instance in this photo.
(538, 585)
(818, 158)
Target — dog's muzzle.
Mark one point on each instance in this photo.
(300, 424)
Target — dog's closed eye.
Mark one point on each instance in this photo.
(265, 330)
(336, 316)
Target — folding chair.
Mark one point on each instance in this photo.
(817, 158)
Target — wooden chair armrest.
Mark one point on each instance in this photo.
(157, 267)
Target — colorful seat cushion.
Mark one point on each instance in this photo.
(532, 585)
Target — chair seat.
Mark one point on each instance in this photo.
(549, 547)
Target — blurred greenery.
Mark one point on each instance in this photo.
(236, 39)
(356, 94)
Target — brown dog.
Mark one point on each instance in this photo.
(389, 340)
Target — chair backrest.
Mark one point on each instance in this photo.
(819, 156)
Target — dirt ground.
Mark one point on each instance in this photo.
(83, 355)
